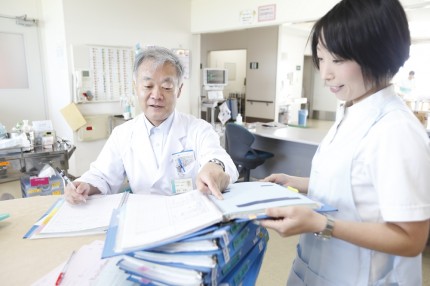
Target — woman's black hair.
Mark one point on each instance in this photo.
(373, 33)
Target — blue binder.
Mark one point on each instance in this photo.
(142, 270)
(206, 260)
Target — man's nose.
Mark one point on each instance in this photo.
(156, 92)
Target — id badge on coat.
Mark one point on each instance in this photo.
(184, 163)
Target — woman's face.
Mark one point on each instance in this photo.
(343, 77)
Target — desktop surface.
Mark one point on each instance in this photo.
(24, 261)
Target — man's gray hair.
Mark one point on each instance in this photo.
(159, 55)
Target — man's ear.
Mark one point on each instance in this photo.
(180, 89)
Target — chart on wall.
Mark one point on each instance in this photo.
(109, 76)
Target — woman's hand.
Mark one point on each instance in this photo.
(299, 183)
(294, 220)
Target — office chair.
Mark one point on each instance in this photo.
(238, 145)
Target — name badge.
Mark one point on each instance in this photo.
(184, 164)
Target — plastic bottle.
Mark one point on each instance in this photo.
(239, 119)
(3, 132)
(27, 129)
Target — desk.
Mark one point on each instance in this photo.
(294, 147)
(25, 261)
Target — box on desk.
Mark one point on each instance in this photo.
(41, 186)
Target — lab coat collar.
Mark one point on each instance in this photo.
(177, 137)
(176, 142)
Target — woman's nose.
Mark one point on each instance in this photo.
(326, 73)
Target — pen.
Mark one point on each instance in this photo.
(66, 179)
(63, 272)
(180, 164)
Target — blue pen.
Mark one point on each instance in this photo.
(180, 165)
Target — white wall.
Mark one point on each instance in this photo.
(123, 23)
(70, 23)
(174, 24)
(222, 15)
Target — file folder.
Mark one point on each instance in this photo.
(149, 221)
(142, 270)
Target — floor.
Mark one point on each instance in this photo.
(281, 252)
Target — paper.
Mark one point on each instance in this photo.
(87, 268)
(149, 220)
(73, 116)
(64, 219)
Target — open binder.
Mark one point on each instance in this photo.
(148, 221)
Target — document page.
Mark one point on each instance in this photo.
(150, 220)
(71, 219)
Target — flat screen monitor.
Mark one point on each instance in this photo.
(214, 78)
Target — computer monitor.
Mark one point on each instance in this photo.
(215, 78)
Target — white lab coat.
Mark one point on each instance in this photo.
(337, 262)
(128, 154)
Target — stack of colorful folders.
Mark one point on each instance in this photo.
(223, 254)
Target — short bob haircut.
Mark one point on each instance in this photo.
(373, 33)
(160, 56)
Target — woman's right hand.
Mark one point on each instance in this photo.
(299, 183)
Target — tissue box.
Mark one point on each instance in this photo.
(41, 186)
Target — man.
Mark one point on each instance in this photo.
(161, 151)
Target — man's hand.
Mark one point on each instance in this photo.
(77, 192)
(212, 180)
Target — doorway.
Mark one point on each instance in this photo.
(235, 90)
(22, 96)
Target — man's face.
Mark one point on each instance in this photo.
(157, 89)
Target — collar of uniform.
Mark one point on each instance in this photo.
(163, 127)
(372, 103)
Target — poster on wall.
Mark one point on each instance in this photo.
(267, 13)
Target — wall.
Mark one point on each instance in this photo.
(76, 23)
(213, 16)
(68, 23)
(261, 45)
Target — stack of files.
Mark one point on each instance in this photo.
(159, 235)
(148, 221)
(227, 256)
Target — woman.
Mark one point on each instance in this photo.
(373, 165)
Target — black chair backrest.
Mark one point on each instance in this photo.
(238, 140)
